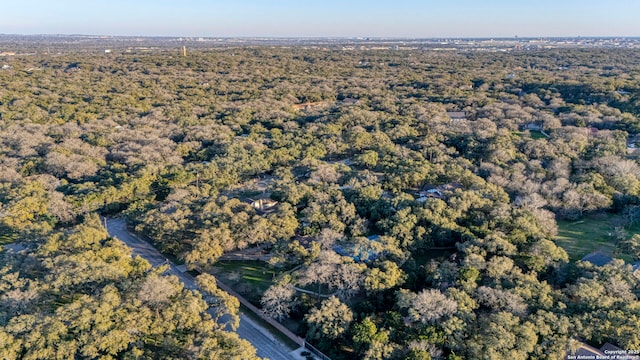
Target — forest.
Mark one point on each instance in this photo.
(397, 204)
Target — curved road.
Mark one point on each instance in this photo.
(266, 345)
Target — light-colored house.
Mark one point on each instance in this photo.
(633, 144)
(431, 193)
(457, 115)
(437, 192)
(366, 250)
(349, 101)
(264, 205)
(533, 127)
(309, 105)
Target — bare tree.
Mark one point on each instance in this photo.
(277, 301)
(431, 305)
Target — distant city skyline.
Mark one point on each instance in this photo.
(329, 18)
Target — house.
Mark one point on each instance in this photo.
(438, 192)
(14, 247)
(309, 105)
(264, 206)
(430, 193)
(347, 161)
(374, 238)
(349, 101)
(533, 127)
(6, 67)
(632, 144)
(457, 115)
(598, 259)
(361, 251)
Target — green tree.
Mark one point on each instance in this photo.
(329, 321)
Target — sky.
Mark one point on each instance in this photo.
(323, 18)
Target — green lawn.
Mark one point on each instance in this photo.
(249, 278)
(535, 135)
(6, 236)
(591, 233)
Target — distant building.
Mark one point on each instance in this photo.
(598, 259)
(13, 247)
(309, 105)
(6, 67)
(431, 193)
(438, 192)
(374, 238)
(350, 101)
(632, 144)
(533, 127)
(262, 206)
(457, 115)
(366, 251)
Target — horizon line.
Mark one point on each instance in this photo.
(351, 37)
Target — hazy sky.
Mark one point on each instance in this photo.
(399, 18)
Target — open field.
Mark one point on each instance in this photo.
(591, 233)
(249, 278)
(6, 236)
(536, 135)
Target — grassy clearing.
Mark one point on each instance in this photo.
(535, 135)
(591, 233)
(6, 239)
(249, 278)
(7, 236)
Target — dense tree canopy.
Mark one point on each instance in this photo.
(400, 228)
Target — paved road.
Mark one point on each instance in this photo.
(267, 346)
